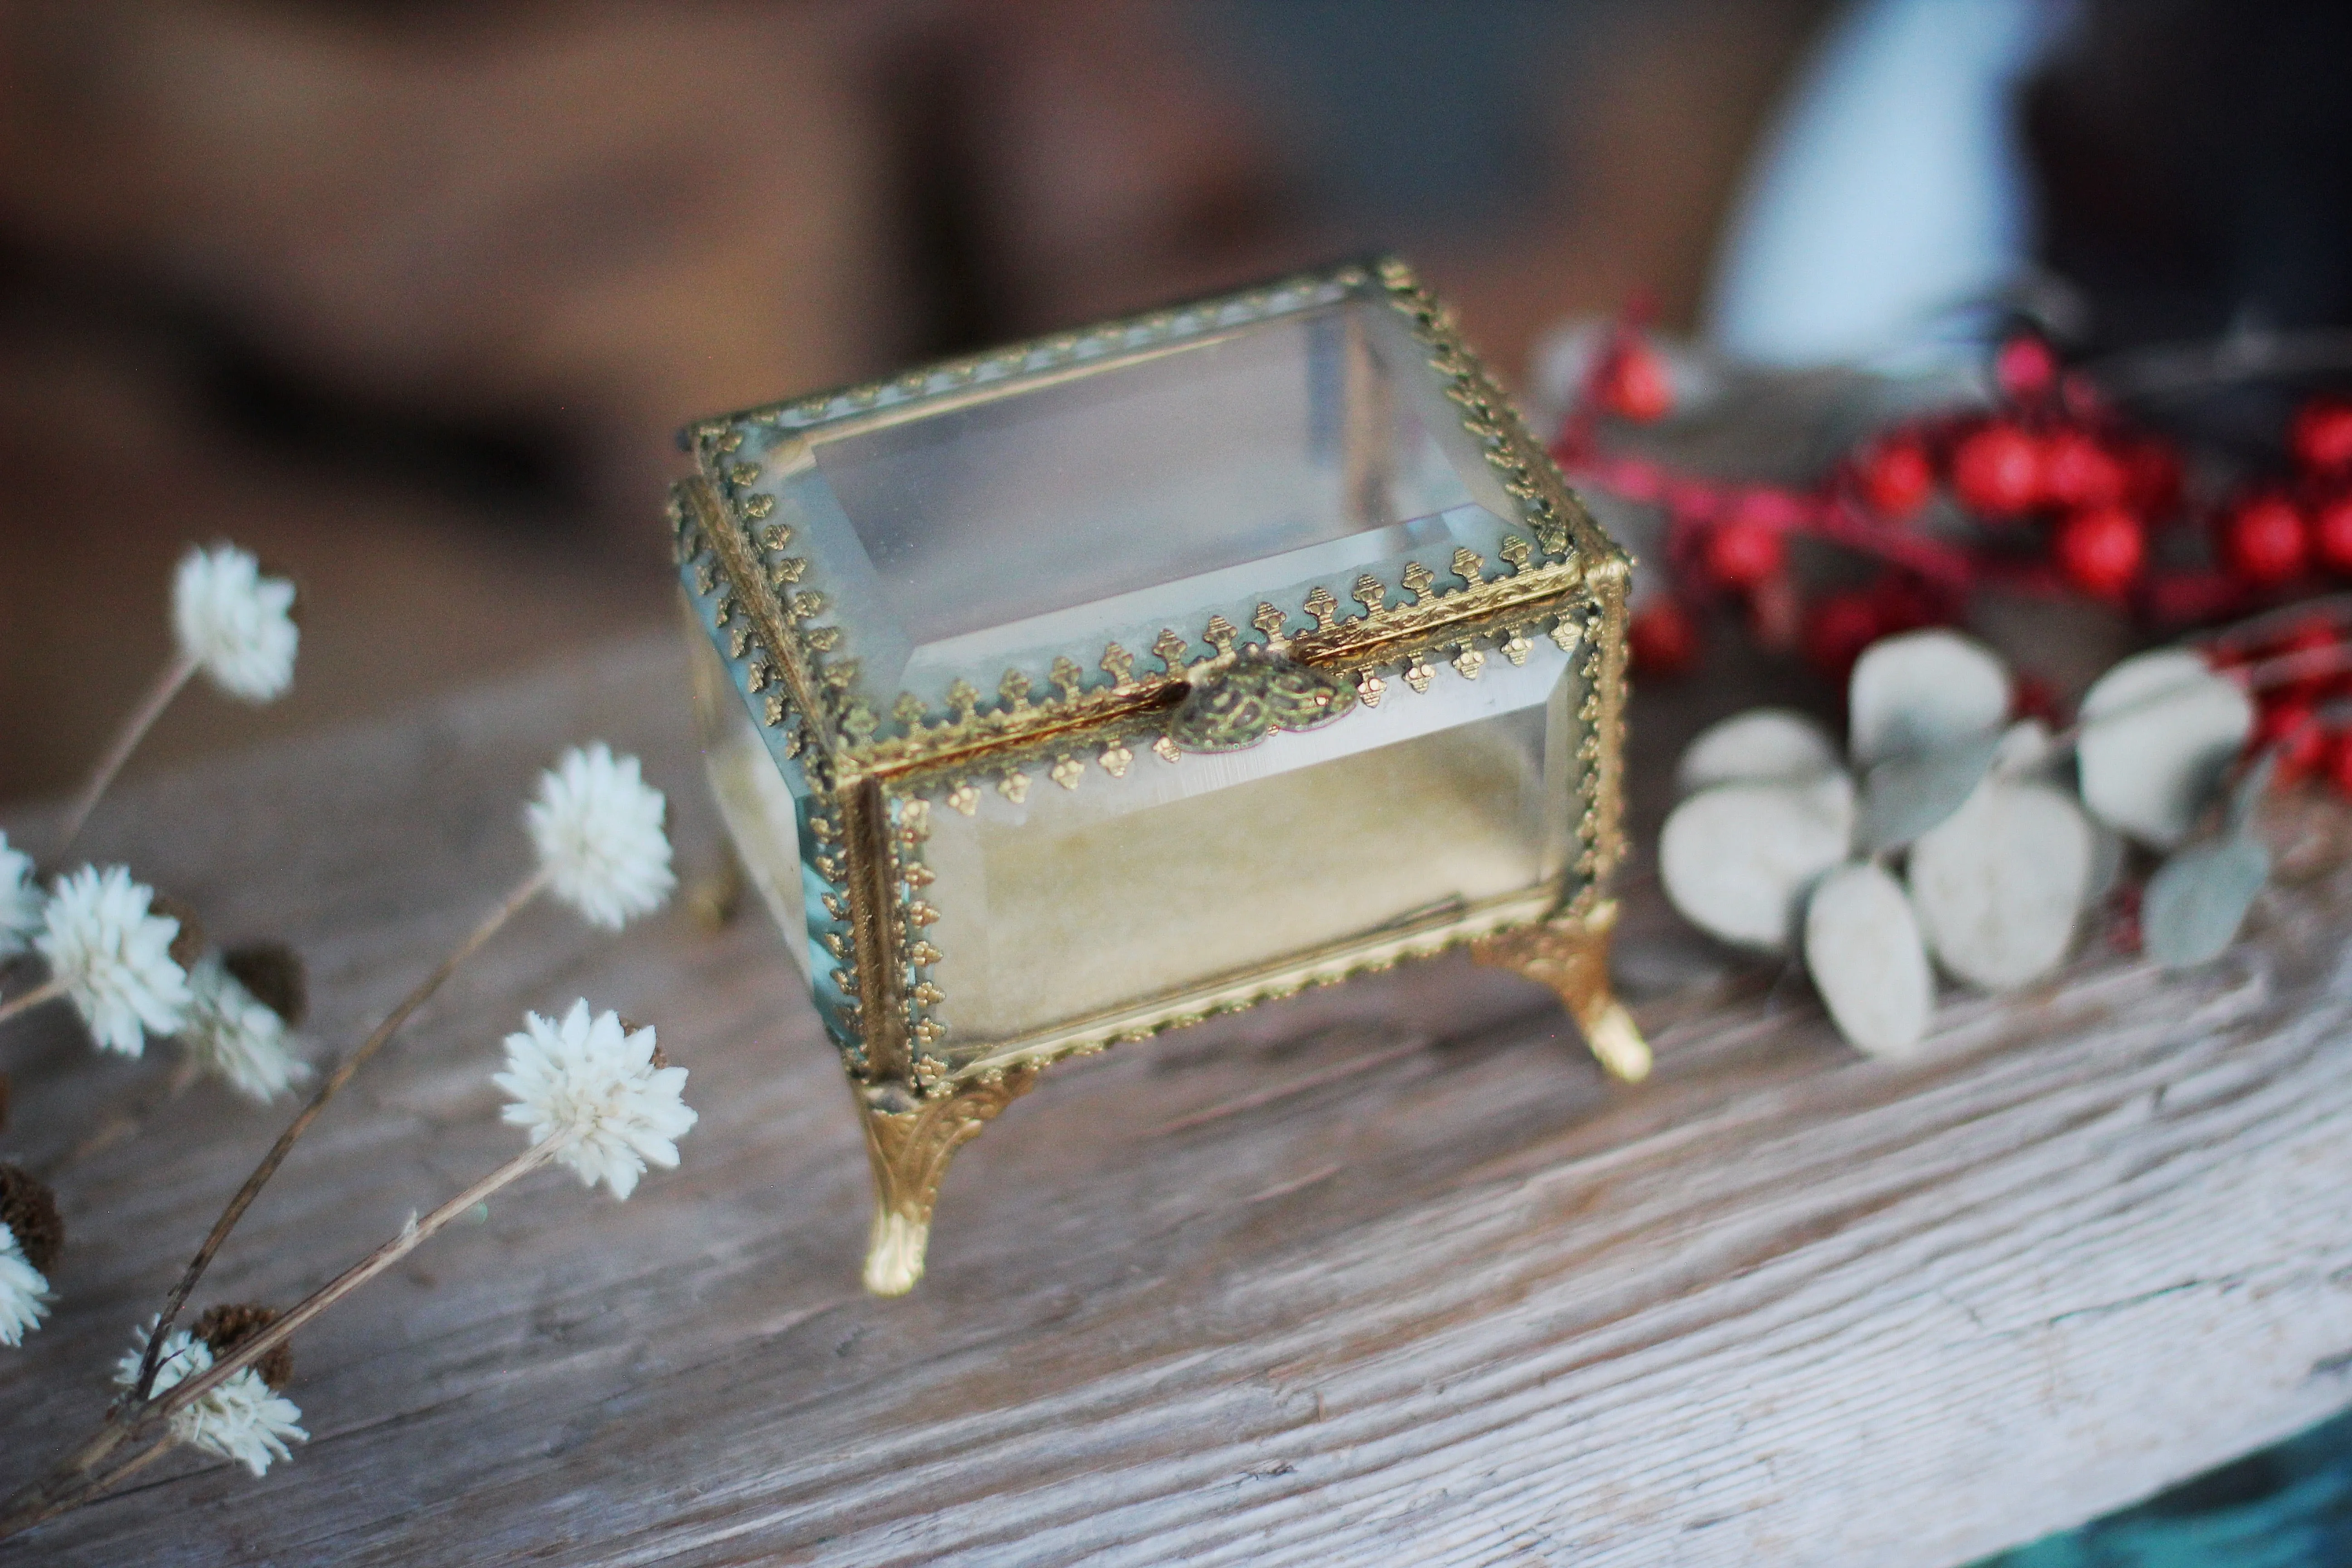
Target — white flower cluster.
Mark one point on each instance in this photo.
(597, 825)
(596, 1086)
(114, 958)
(234, 624)
(23, 1291)
(1951, 841)
(242, 1419)
(233, 1034)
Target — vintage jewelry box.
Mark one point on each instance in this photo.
(1067, 693)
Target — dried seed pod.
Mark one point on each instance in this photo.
(1922, 691)
(29, 1210)
(1864, 952)
(274, 972)
(1764, 745)
(224, 1327)
(189, 945)
(1737, 859)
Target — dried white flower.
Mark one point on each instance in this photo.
(587, 1082)
(242, 1419)
(23, 1291)
(20, 900)
(598, 828)
(231, 1032)
(234, 624)
(114, 958)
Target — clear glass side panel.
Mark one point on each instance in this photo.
(763, 806)
(1074, 902)
(997, 528)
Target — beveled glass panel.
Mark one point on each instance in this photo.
(1070, 902)
(1000, 527)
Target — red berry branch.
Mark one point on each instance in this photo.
(2051, 490)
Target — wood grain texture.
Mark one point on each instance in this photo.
(1384, 1274)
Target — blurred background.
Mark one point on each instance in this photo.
(409, 295)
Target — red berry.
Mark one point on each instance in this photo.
(1663, 639)
(2151, 479)
(2077, 471)
(2321, 435)
(1837, 628)
(2263, 542)
(2331, 533)
(2301, 745)
(1997, 471)
(1896, 478)
(2339, 761)
(2025, 368)
(1742, 553)
(1634, 384)
(2100, 551)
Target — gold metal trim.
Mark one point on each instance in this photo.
(1436, 618)
(876, 929)
(908, 1144)
(1569, 954)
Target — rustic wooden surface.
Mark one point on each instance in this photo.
(1385, 1274)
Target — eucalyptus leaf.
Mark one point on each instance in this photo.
(2158, 731)
(1763, 745)
(1922, 691)
(1737, 859)
(1904, 796)
(2198, 899)
(2249, 792)
(1999, 884)
(1863, 951)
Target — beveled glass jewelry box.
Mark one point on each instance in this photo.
(1070, 693)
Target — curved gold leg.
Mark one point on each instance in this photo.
(1570, 955)
(908, 1142)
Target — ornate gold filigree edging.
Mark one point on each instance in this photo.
(1152, 329)
(1567, 543)
(1600, 747)
(1562, 527)
(877, 930)
(918, 959)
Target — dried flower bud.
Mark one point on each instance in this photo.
(189, 945)
(273, 971)
(230, 1324)
(29, 1210)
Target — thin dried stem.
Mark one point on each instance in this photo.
(72, 1485)
(46, 991)
(524, 892)
(134, 729)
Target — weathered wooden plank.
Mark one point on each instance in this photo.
(1384, 1273)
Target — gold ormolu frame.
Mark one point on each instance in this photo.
(868, 782)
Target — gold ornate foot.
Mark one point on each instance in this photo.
(908, 1142)
(1570, 955)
